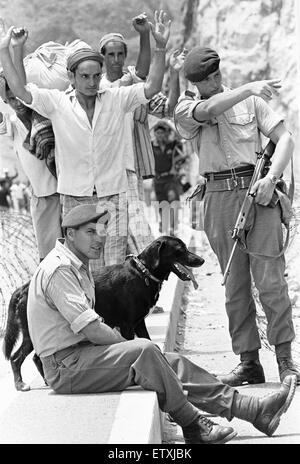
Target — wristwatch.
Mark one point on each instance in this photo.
(272, 178)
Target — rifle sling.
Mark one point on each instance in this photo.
(244, 248)
(286, 243)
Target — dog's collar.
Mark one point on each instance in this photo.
(146, 273)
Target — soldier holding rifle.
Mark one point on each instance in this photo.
(225, 126)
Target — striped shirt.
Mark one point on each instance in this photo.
(141, 158)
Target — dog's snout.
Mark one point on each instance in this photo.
(195, 260)
(198, 261)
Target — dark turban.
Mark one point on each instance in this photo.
(83, 54)
(199, 63)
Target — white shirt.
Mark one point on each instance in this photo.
(128, 142)
(89, 156)
(43, 183)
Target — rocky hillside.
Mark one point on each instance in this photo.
(65, 20)
(256, 40)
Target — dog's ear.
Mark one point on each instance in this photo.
(155, 255)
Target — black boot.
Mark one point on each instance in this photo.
(287, 367)
(265, 413)
(205, 432)
(250, 372)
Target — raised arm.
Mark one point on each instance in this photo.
(18, 40)
(15, 82)
(176, 64)
(142, 26)
(161, 32)
(217, 104)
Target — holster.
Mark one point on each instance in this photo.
(199, 192)
(196, 205)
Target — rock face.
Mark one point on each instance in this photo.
(256, 39)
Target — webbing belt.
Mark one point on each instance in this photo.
(228, 184)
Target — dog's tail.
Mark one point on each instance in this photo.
(13, 325)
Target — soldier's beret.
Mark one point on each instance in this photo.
(82, 214)
(199, 63)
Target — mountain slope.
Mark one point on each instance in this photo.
(66, 20)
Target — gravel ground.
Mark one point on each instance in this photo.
(202, 331)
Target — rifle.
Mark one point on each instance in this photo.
(263, 158)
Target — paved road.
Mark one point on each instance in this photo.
(7, 389)
(202, 335)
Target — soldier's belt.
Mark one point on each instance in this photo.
(228, 184)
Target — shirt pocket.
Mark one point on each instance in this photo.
(243, 126)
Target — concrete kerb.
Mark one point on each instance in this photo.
(136, 418)
(134, 424)
(162, 327)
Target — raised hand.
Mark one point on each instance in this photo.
(141, 23)
(160, 29)
(5, 37)
(177, 59)
(19, 37)
(265, 89)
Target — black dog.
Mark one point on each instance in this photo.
(125, 293)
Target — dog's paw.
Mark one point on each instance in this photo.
(21, 386)
(157, 310)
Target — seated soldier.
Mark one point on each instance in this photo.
(81, 354)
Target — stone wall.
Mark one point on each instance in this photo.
(256, 39)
